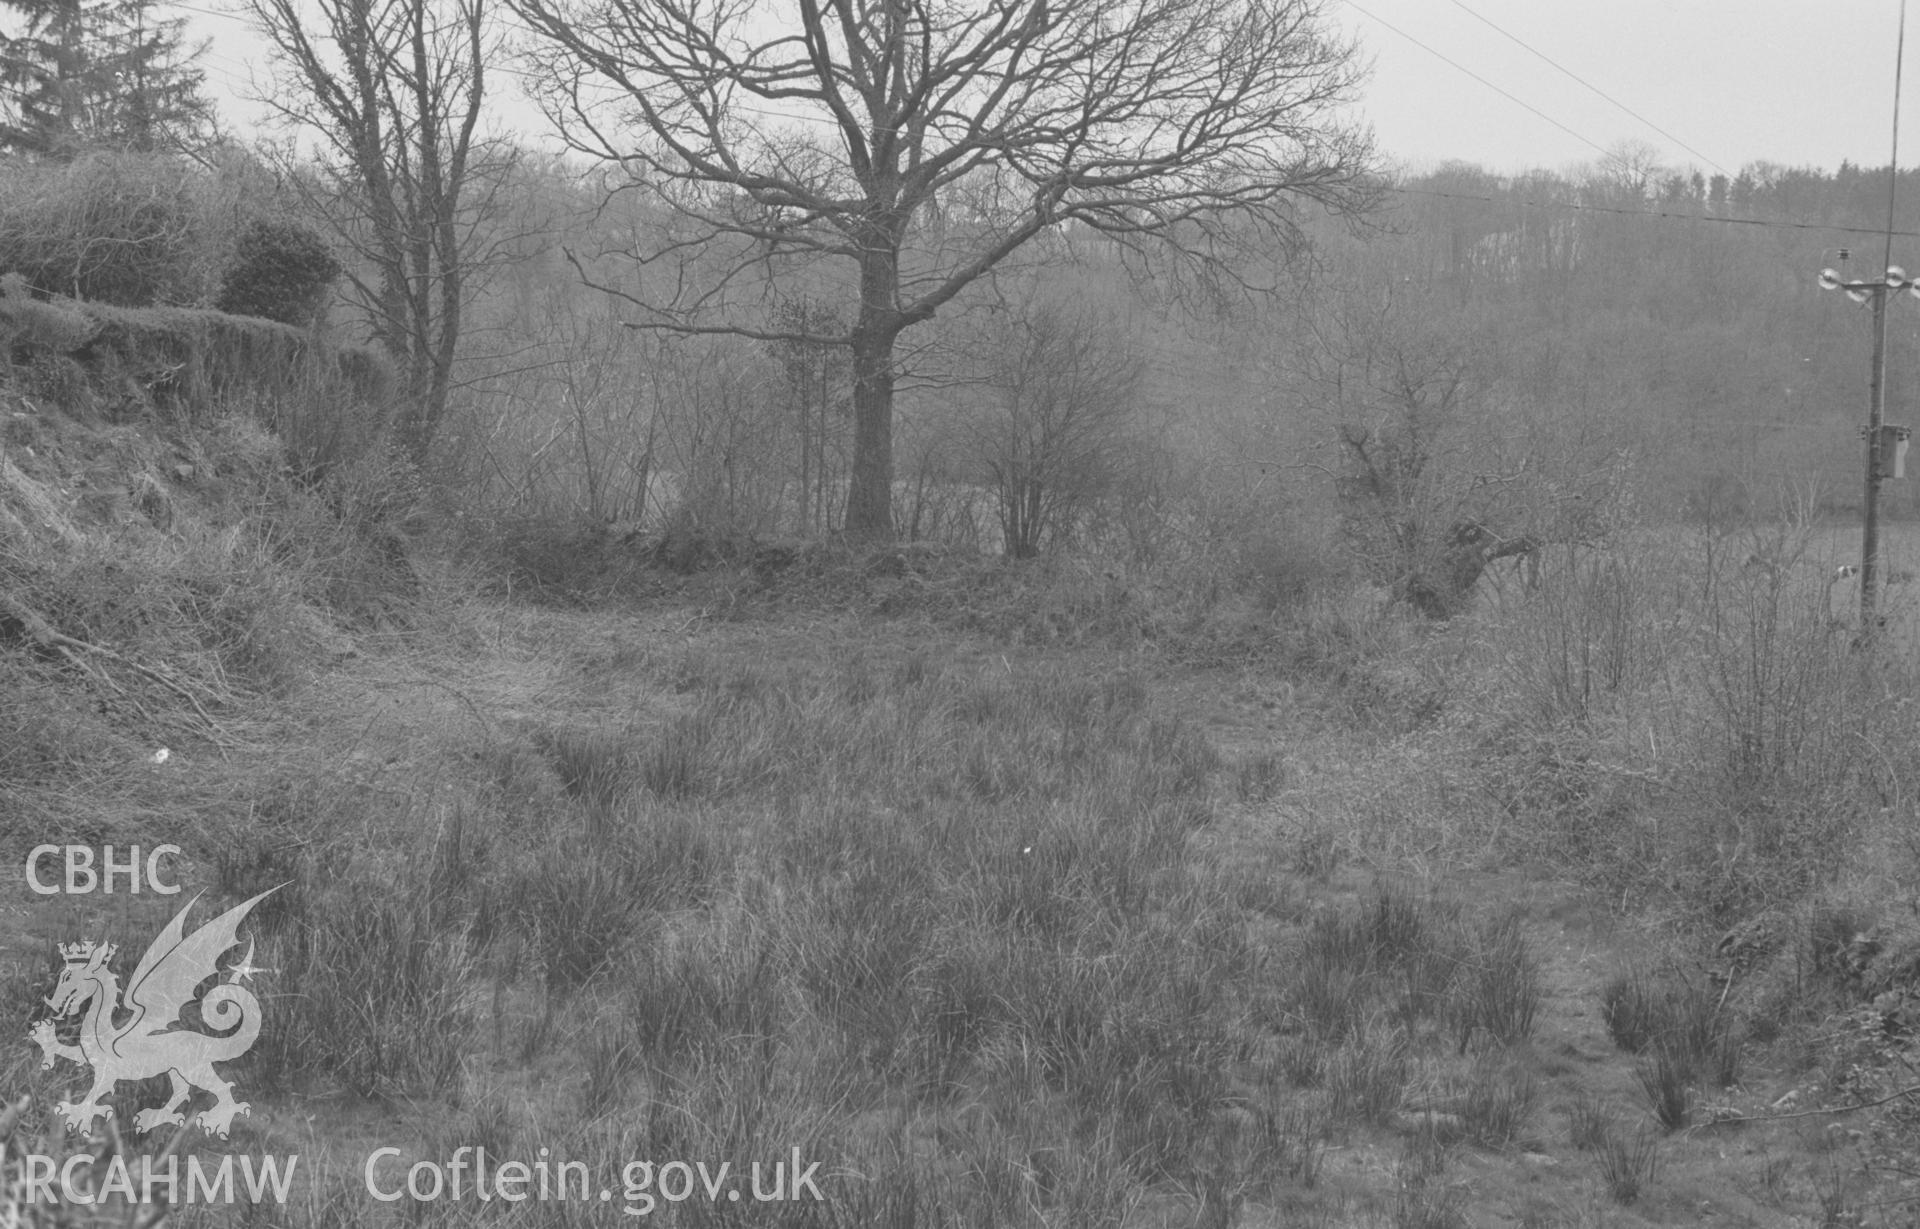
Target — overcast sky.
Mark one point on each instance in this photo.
(1798, 82)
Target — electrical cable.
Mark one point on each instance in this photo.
(1513, 98)
(1568, 72)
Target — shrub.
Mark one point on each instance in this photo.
(1284, 573)
(113, 228)
(281, 270)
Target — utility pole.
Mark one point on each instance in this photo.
(1894, 279)
(1876, 416)
(1875, 291)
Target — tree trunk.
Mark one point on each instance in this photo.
(870, 493)
(870, 489)
(806, 460)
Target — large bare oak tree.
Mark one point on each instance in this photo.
(920, 143)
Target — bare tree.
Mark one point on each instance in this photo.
(1630, 170)
(1064, 394)
(813, 380)
(1440, 472)
(918, 144)
(394, 90)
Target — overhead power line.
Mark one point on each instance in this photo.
(1661, 214)
(1576, 77)
(1513, 98)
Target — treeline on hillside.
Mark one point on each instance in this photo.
(1676, 311)
(1251, 327)
(1619, 308)
(1571, 328)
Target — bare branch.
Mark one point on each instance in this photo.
(772, 136)
(394, 90)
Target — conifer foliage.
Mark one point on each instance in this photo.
(84, 74)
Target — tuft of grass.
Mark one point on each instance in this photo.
(250, 860)
(1394, 928)
(1302, 1061)
(1288, 1145)
(47, 732)
(540, 1031)
(1502, 985)
(373, 992)
(1631, 1007)
(1628, 1163)
(1690, 1037)
(1588, 1124)
(1366, 1078)
(579, 913)
(1833, 1192)
(1316, 854)
(669, 859)
(1261, 775)
(915, 669)
(1775, 1175)
(1333, 983)
(1499, 1099)
(1666, 1077)
(595, 766)
(610, 1060)
(708, 1000)
(1414, 961)
(1434, 980)
(852, 951)
(676, 763)
(1422, 1200)
(490, 1122)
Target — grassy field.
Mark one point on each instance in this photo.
(1025, 896)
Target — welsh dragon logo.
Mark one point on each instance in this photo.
(162, 984)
